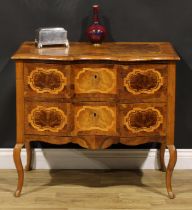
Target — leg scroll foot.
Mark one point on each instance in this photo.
(171, 195)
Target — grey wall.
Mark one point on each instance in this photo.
(126, 20)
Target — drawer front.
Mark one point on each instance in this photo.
(45, 118)
(47, 80)
(146, 83)
(91, 119)
(95, 80)
(143, 119)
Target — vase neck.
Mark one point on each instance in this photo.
(96, 14)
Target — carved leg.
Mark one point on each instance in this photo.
(19, 167)
(162, 157)
(170, 167)
(29, 156)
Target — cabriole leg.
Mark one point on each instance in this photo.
(170, 168)
(19, 167)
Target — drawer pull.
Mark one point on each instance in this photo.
(47, 119)
(95, 80)
(47, 81)
(139, 119)
(143, 81)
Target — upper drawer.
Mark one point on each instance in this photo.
(143, 82)
(47, 80)
(95, 80)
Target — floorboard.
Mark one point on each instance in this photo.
(96, 189)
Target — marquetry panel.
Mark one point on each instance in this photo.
(95, 80)
(47, 118)
(47, 80)
(95, 119)
(143, 119)
(143, 81)
(147, 83)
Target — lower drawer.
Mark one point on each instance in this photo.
(101, 118)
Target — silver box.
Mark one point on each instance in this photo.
(51, 36)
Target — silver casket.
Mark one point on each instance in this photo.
(51, 36)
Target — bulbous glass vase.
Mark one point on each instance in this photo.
(96, 32)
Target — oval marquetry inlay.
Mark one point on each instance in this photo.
(102, 118)
(143, 81)
(139, 119)
(96, 80)
(47, 119)
(47, 80)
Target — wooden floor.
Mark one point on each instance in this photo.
(96, 189)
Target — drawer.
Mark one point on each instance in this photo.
(95, 119)
(142, 119)
(47, 80)
(45, 118)
(144, 82)
(95, 80)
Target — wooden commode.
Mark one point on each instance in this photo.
(96, 96)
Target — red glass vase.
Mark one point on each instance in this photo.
(96, 32)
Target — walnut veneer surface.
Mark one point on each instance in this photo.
(96, 96)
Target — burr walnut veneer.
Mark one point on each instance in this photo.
(96, 96)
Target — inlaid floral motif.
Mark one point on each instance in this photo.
(139, 119)
(47, 80)
(47, 119)
(93, 80)
(92, 117)
(143, 81)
